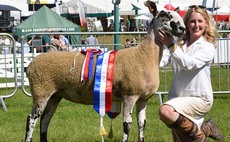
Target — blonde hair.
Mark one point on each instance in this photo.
(210, 32)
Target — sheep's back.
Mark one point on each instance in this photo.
(135, 71)
(61, 69)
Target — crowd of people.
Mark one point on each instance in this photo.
(222, 25)
(42, 43)
(55, 42)
(129, 43)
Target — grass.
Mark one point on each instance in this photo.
(80, 123)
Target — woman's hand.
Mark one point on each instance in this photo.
(164, 37)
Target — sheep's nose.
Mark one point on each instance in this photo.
(182, 29)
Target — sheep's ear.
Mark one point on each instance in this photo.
(162, 14)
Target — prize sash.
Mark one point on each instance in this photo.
(104, 82)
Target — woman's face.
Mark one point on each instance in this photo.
(196, 25)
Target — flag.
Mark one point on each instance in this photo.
(81, 11)
(213, 6)
(204, 3)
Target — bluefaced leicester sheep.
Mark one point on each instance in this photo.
(136, 79)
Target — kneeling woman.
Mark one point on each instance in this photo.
(190, 96)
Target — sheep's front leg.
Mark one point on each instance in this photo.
(129, 102)
(141, 119)
(32, 120)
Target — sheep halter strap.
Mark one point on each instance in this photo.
(103, 84)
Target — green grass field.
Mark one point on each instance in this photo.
(79, 123)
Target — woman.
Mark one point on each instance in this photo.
(61, 42)
(191, 96)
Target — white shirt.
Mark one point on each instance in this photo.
(25, 46)
(191, 69)
(5, 42)
(91, 40)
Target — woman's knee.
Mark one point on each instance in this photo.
(163, 111)
(166, 112)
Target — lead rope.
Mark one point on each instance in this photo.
(74, 63)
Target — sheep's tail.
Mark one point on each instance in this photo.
(74, 63)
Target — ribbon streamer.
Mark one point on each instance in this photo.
(87, 69)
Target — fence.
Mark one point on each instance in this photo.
(8, 67)
(13, 66)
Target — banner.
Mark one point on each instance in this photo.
(40, 1)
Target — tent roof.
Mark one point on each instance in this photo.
(185, 3)
(112, 18)
(142, 17)
(97, 7)
(223, 10)
(106, 6)
(45, 18)
(222, 13)
(8, 8)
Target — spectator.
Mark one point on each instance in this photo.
(35, 42)
(143, 28)
(127, 43)
(26, 46)
(46, 41)
(18, 46)
(128, 25)
(91, 40)
(6, 43)
(133, 42)
(110, 28)
(123, 27)
(228, 35)
(61, 42)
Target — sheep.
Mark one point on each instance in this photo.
(136, 79)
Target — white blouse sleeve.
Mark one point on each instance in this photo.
(165, 58)
(201, 54)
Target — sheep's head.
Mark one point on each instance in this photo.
(170, 21)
